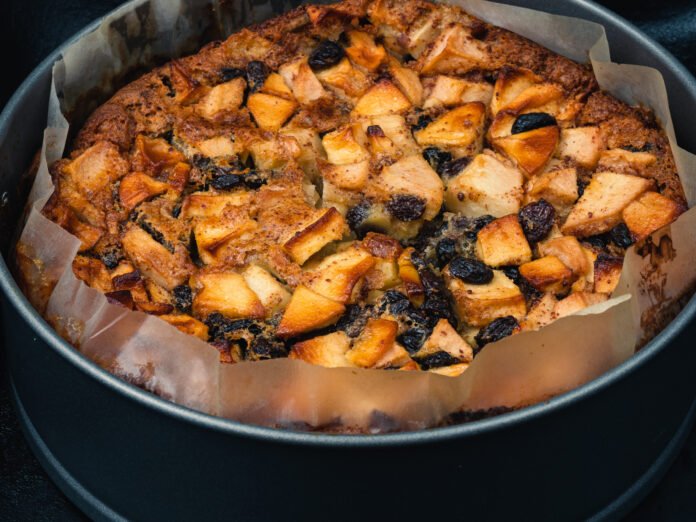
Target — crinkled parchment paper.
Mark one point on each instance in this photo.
(516, 371)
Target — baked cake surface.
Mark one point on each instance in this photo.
(373, 184)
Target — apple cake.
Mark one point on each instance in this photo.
(372, 184)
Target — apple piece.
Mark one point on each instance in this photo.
(136, 187)
(607, 272)
(413, 175)
(382, 98)
(343, 146)
(227, 96)
(584, 145)
(541, 313)
(304, 84)
(627, 162)
(376, 339)
(344, 76)
(650, 212)
(226, 293)
(459, 130)
(270, 112)
(478, 305)
(308, 311)
(363, 51)
(454, 50)
(328, 225)
(548, 274)
(599, 208)
(530, 150)
(336, 275)
(271, 293)
(559, 187)
(325, 350)
(485, 186)
(502, 242)
(569, 250)
(444, 338)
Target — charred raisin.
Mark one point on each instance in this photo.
(445, 251)
(531, 121)
(226, 181)
(436, 157)
(621, 236)
(406, 207)
(256, 74)
(454, 167)
(183, 298)
(470, 271)
(230, 73)
(326, 55)
(375, 131)
(413, 338)
(537, 220)
(423, 121)
(495, 331)
(436, 360)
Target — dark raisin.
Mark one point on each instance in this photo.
(454, 167)
(183, 298)
(230, 73)
(395, 301)
(327, 54)
(581, 186)
(513, 273)
(357, 214)
(264, 348)
(168, 136)
(436, 157)
(445, 251)
(375, 131)
(599, 240)
(256, 74)
(479, 31)
(531, 121)
(176, 211)
(537, 220)
(436, 360)
(110, 259)
(201, 162)
(167, 82)
(218, 326)
(423, 121)
(621, 236)
(406, 207)
(408, 57)
(254, 180)
(495, 331)
(436, 307)
(193, 251)
(413, 338)
(226, 181)
(470, 271)
(352, 321)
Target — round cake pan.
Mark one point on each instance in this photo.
(121, 453)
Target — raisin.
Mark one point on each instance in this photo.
(264, 348)
(454, 167)
(479, 31)
(357, 214)
(531, 121)
(110, 259)
(176, 211)
(600, 241)
(423, 121)
(194, 254)
(254, 180)
(408, 58)
(436, 157)
(621, 236)
(256, 74)
(537, 220)
(201, 162)
(167, 82)
(513, 273)
(226, 181)
(352, 321)
(495, 331)
(327, 54)
(436, 360)
(375, 131)
(168, 136)
(470, 271)
(445, 251)
(413, 338)
(230, 73)
(183, 298)
(395, 301)
(406, 207)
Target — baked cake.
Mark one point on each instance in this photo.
(375, 184)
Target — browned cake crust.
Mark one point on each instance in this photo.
(376, 184)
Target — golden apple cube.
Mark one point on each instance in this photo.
(376, 339)
(650, 212)
(454, 50)
(607, 272)
(413, 175)
(308, 311)
(337, 274)
(548, 274)
(305, 86)
(478, 305)
(226, 293)
(344, 146)
(227, 96)
(328, 226)
(459, 130)
(382, 98)
(502, 242)
(558, 187)
(270, 112)
(584, 145)
(363, 51)
(599, 208)
(137, 187)
(530, 150)
(326, 350)
(486, 186)
(271, 293)
(444, 338)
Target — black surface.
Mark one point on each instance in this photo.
(30, 29)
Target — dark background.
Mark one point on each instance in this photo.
(31, 29)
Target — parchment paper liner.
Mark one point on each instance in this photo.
(516, 371)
